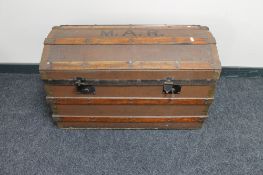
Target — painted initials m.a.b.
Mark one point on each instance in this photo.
(107, 33)
(129, 33)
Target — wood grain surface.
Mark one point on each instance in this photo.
(102, 125)
(130, 110)
(194, 91)
(126, 101)
(127, 119)
(118, 53)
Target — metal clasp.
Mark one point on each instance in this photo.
(84, 88)
(170, 88)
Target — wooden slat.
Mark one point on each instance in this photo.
(108, 74)
(128, 119)
(102, 125)
(194, 91)
(132, 110)
(129, 100)
(126, 40)
(141, 26)
(80, 57)
(120, 65)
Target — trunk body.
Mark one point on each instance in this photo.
(130, 76)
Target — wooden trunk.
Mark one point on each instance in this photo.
(130, 76)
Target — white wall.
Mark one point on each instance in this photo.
(237, 25)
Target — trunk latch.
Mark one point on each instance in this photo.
(84, 88)
(170, 88)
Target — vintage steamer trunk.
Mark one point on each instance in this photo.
(130, 76)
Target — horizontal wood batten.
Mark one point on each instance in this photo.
(130, 110)
(129, 65)
(142, 26)
(196, 91)
(127, 41)
(132, 74)
(130, 100)
(101, 125)
(124, 119)
(130, 82)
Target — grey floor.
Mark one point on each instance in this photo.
(230, 142)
